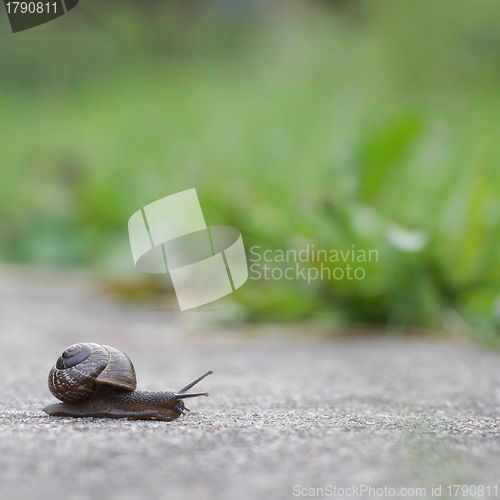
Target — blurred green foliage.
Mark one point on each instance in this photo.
(374, 124)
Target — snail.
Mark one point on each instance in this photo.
(94, 380)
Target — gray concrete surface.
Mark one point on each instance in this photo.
(380, 412)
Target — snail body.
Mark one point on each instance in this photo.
(93, 380)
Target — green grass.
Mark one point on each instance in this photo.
(300, 124)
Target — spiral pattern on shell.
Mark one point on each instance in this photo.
(83, 367)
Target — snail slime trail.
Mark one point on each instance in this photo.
(94, 380)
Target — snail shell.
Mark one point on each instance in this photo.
(83, 367)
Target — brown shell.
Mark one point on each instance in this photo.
(82, 367)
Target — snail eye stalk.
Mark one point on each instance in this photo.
(199, 379)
